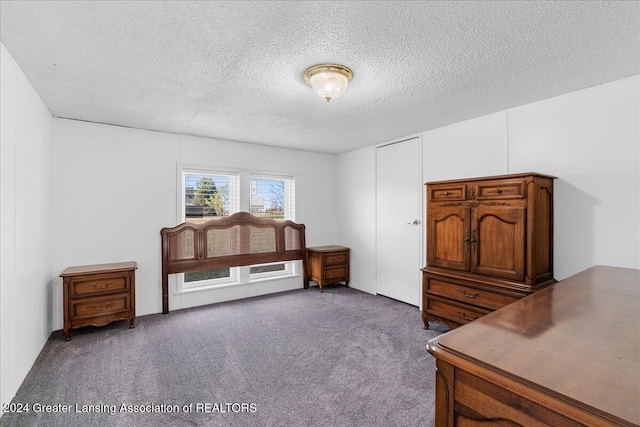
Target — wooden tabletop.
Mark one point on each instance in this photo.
(579, 339)
(98, 268)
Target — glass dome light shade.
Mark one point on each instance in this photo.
(328, 81)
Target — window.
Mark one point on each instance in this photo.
(271, 197)
(212, 194)
(209, 195)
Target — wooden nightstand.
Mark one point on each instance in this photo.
(328, 264)
(99, 294)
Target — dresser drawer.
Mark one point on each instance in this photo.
(336, 258)
(102, 306)
(451, 310)
(97, 285)
(479, 402)
(447, 192)
(501, 189)
(467, 294)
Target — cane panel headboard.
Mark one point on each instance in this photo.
(237, 240)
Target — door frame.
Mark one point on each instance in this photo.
(422, 211)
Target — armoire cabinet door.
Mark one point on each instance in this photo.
(498, 241)
(448, 238)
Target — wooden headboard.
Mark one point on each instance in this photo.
(233, 241)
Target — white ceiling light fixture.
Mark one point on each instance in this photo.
(328, 81)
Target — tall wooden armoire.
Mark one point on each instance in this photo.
(489, 243)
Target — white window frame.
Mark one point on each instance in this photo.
(238, 275)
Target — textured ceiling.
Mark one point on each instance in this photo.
(233, 70)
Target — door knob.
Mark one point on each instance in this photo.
(414, 222)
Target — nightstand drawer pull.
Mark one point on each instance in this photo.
(101, 307)
(464, 316)
(473, 295)
(98, 287)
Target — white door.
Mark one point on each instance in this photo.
(398, 221)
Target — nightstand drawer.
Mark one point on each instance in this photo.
(334, 273)
(102, 306)
(98, 285)
(336, 258)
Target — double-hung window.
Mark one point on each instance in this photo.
(272, 197)
(210, 194)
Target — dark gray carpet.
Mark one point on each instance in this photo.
(298, 358)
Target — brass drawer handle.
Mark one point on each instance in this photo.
(98, 288)
(446, 193)
(464, 316)
(473, 295)
(101, 307)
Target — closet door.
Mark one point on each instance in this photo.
(398, 226)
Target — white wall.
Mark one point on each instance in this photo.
(589, 139)
(356, 200)
(471, 148)
(117, 187)
(25, 226)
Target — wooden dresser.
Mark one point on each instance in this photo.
(98, 294)
(489, 243)
(567, 355)
(328, 264)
